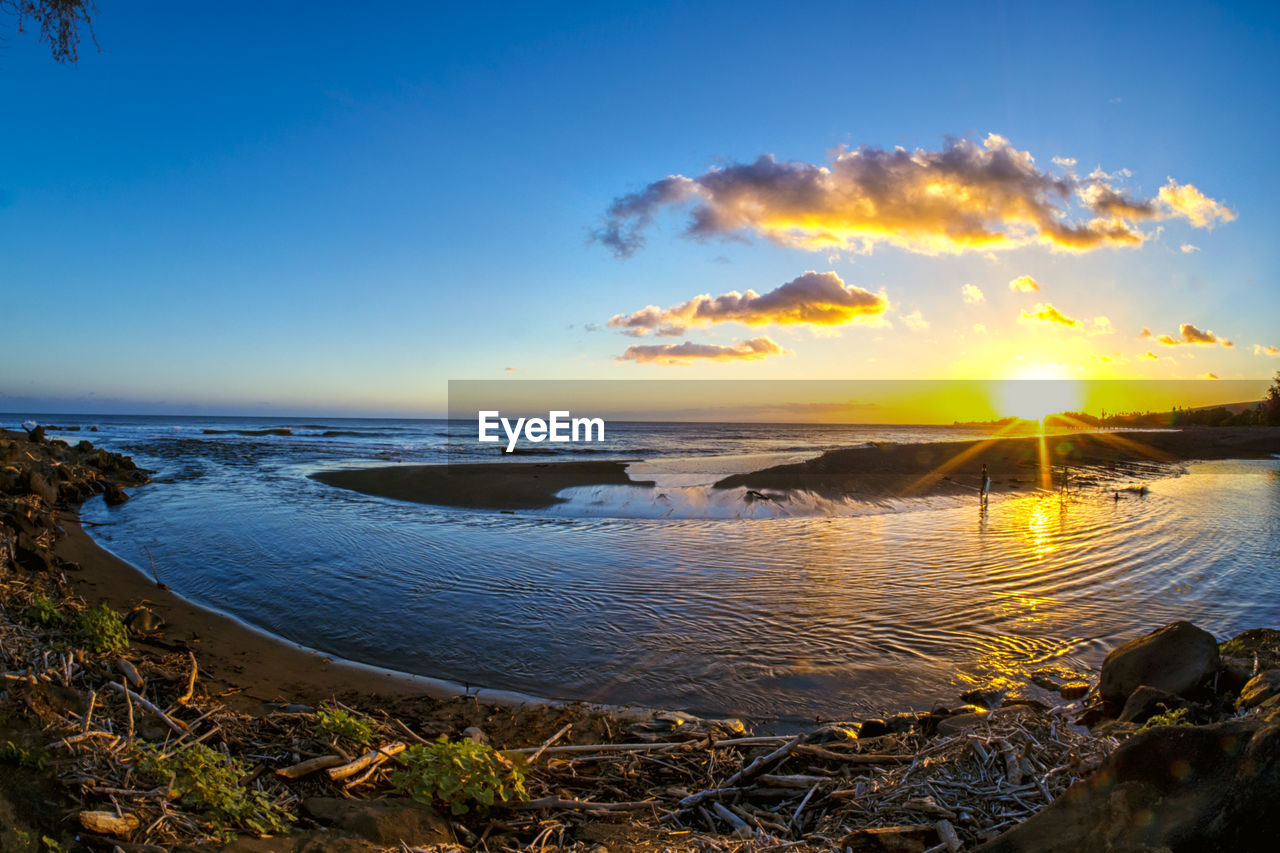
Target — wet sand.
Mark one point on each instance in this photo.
(517, 485)
(1015, 464)
(872, 473)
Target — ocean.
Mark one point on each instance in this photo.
(683, 596)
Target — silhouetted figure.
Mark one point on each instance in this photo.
(986, 485)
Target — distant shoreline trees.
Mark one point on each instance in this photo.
(1264, 413)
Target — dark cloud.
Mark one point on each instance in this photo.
(752, 350)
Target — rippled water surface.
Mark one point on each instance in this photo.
(790, 617)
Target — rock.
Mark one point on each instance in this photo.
(143, 620)
(874, 728)
(1145, 702)
(1260, 645)
(1260, 688)
(109, 823)
(38, 485)
(114, 495)
(35, 435)
(388, 822)
(1073, 691)
(1187, 788)
(990, 698)
(1235, 673)
(476, 734)
(833, 733)
(1177, 658)
(890, 839)
(675, 725)
(968, 722)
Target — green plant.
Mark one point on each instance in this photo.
(43, 611)
(459, 774)
(1176, 717)
(338, 724)
(208, 782)
(33, 759)
(102, 629)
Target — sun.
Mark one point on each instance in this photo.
(1032, 399)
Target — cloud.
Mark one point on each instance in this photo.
(1150, 355)
(1188, 248)
(1189, 334)
(687, 352)
(1146, 333)
(914, 320)
(972, 294)
(1209, 376)
(510, 369)
(1024, 284)
(1188, 202)
(968, 196)
(1043, 312)
(979, 329)
(815, 299)
(1273, 351)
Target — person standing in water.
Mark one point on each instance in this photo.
(986, 485)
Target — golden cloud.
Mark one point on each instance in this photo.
(1259, 349)
(972, 294)
(1024, 284)
(1189, 334)
(968, 196)
(687, 352)
(815, 299)
(1044, 312)
(1188, 202)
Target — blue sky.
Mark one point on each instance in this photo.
(255, 208)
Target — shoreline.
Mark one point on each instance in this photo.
(242, 657)
(877, 472)
(65, 694)
(480, 485)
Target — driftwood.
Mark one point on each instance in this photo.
(132, 697)
(311, 765)
(374, 757)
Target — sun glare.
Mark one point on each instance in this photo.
(1032, 399)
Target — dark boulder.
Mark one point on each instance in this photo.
(1146, 702)
(114, 495)
(1183, 788)
(36, 435)
(1260, 688)
(1176, 659)
(390, 821)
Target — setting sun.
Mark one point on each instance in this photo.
(1032, 399)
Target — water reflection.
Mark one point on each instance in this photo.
(797, 617)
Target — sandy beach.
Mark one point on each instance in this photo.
(519, 485)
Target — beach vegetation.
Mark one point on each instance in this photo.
(102, 629)
(43, 611)
(460, 774)
(1176, 717)
(30, 759)
(208, 783)
(338, 724)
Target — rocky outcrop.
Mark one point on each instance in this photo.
(1175, 659)
(1188, 788)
